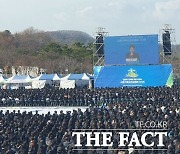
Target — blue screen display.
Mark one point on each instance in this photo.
(133, 76)
(131, 50)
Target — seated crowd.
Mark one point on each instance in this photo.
(22, 133)
(85, 97)
(50, 134)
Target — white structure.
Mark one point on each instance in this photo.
(75, 80)
(18, 81)
(44, 79)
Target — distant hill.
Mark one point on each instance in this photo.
(70, 37)
(56, 51)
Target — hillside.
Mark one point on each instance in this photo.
(55, 51)
(70, 37)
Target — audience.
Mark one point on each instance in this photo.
(85, 97)
(120, 108)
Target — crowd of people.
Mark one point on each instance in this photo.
(120, 108)
(85, 97)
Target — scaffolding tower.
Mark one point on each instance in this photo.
(167, 59)
(98, 59)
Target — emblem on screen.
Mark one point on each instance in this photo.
(132, 73)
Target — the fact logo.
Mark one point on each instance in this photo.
(124, 138)
(139, 138)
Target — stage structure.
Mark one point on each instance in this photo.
(133, 76)
(98, 55)
(168, 44)
(133, 60)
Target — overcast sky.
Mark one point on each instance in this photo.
(119, 17)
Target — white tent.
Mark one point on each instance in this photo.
(67, 84)
(73, 80)
(38, 84)
(52, 77)
(2, 79)
(17, 81)
(43, 79)
(2, 82)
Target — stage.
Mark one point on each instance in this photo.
(133, 76)
(132, 61)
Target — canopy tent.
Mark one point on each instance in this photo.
(67, 84)
(2, 79)
(73, 80)
(91, 82)
(19, 79)
(41, 80)
(82, 76)
(91, 76)
(38, 84)
(52, 77)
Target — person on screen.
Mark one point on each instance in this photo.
(132, 57)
